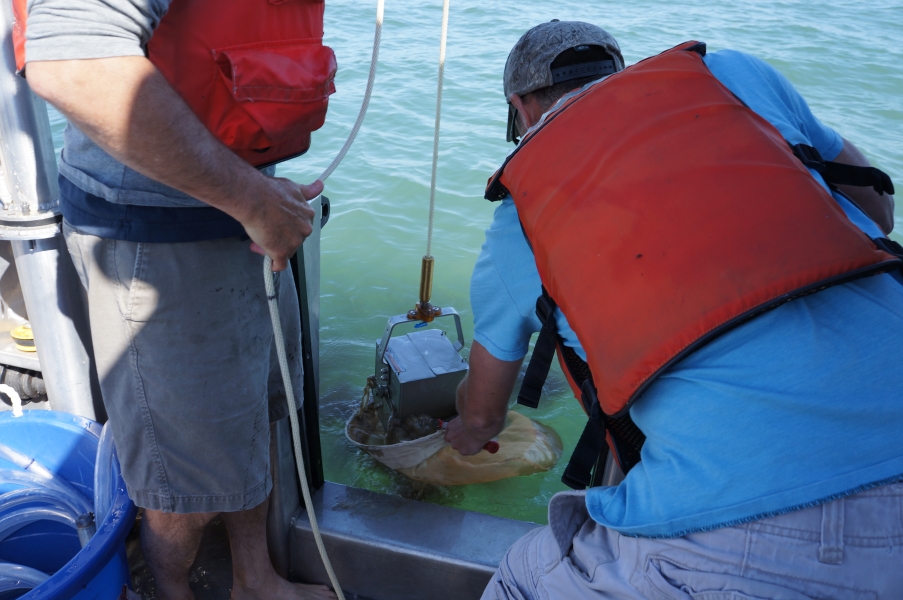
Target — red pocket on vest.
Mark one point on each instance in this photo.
(267, 96)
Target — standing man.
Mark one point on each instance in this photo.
(171, 107)
(724, 316)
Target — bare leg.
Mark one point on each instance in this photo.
(170, 542)
(253, 576)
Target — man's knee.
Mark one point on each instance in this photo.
(523, 563)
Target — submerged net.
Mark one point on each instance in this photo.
(415, 448)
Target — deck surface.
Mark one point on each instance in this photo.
(211, 573)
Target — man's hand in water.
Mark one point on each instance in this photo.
(461, 439)
(482, 400)
(282, 219)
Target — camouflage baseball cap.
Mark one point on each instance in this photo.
(529, 65)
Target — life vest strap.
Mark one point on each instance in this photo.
(890, 246)
(588, 458)
(591, 449)
(543, 353)
(625, 438)
(843, 174)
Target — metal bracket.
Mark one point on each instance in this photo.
(447, 311)
(39, 229)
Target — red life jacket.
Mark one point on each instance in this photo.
(662, 212)
(255, 72)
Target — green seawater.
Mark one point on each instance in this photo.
(845, 57)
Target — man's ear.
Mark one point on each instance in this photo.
(516, 101)
(529, 110)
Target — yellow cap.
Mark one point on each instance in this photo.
(23, 338)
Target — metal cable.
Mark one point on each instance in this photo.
(429, 233)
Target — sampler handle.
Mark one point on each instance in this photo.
(447, 311)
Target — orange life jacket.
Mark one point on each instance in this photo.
(662, 212)
(255, 72)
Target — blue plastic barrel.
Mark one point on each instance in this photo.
(67, 445)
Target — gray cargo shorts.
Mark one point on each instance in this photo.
(848, 549)
(184, 351)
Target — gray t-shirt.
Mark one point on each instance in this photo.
(67, 30)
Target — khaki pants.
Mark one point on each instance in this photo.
(184, 351)
(849, 549)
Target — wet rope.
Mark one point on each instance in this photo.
(443, 39)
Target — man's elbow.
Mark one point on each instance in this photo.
(886, 222)
(47, 79)
(879, 207)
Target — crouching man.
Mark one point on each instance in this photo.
(710, 262)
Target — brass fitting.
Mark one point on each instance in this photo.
(423, 310)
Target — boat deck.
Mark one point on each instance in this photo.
(382, 548)
(211, 574)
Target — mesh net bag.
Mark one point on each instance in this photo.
(525, 447)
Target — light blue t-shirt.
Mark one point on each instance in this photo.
(798, 406)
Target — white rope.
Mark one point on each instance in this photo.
(429, 232)
(366, 102)
(14, 398)
(271, 288)
(293, 418)
(277, 322)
